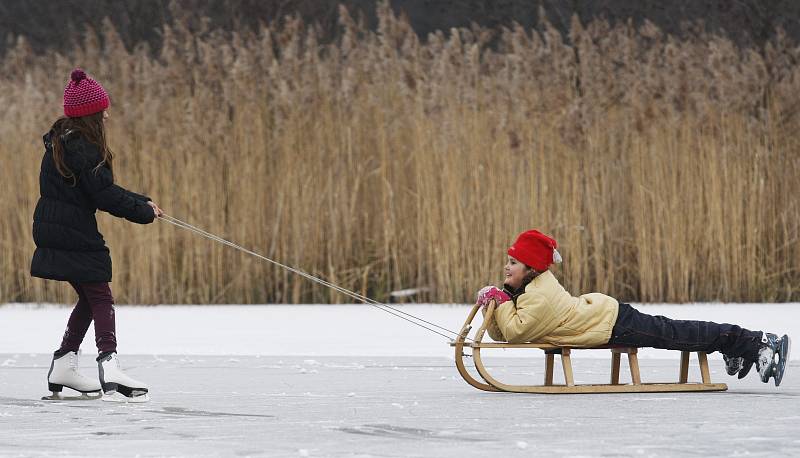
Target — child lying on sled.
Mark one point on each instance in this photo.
(534, 307)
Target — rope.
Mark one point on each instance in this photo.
(379, 305)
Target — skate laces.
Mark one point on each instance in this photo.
(73, 362)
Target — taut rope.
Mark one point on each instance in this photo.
(379, 305)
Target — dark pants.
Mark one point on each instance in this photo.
(638, 329)
(94, 303)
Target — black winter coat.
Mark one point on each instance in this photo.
(68, 245)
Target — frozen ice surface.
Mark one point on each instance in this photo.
(349, 381)
(389, 407)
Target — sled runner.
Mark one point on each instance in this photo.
(490, 383)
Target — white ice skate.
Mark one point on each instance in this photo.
(117, 386)
(64, 373)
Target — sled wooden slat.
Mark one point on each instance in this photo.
(489, 383)
(704, 372)
(548, 368)
(541, 346)
(615, 357)
(684, 367)
(633, 362)
(566, 364)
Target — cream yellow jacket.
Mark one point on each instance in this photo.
(547, 313)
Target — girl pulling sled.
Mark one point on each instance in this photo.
(75, 181)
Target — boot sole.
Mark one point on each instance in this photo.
(56, 388)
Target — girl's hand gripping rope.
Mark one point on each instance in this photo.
(156, 209)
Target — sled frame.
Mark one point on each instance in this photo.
(489, 383)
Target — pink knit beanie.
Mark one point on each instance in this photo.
(83, 96)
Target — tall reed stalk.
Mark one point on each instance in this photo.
(667, 169)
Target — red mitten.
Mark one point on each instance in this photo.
(487, 293)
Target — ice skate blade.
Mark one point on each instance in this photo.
(90, 396)
(780, 368)
(119, 397)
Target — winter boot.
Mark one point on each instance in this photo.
(117, 385)
(64, 373)
(772, 357)
(733, 365)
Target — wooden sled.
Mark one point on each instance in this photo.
(489, 383)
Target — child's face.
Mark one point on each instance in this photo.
(515, 273)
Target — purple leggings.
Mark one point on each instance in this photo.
(94, 303)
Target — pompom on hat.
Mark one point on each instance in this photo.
(535, 249)
(84, 96)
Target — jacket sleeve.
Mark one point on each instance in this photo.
(98, 184)
(493, 329)
(141, 197)
(532, 319)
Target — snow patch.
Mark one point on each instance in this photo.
(237, 330)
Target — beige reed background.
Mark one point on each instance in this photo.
(667, 169)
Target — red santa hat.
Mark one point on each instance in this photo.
(535, 249)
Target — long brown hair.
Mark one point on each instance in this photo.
(92, 129)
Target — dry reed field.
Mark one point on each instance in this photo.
(667, 169)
